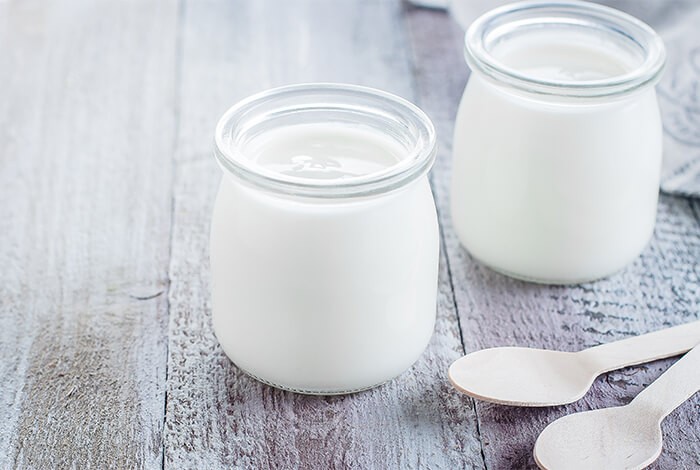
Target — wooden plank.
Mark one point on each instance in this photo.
(661, 288)
(86, 137)
(216, 416)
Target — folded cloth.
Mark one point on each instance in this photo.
(679, 97)
(678, 23)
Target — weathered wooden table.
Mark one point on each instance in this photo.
(107, 356)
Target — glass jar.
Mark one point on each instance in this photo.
(324, 238)
(557, 146)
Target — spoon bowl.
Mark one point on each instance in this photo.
(623, 437)
(523, 376)
(618, 437)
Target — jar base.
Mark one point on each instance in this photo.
(302, 391)
(545, 281)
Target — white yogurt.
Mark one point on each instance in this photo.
(324, 151)
(325, 292)
(556, 168)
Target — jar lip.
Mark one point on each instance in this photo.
(399, 117)
(573, 13)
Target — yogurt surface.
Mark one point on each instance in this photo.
(324, 151)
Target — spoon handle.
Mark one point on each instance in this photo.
(680, 382)
(644, 348)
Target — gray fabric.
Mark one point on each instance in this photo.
(679, 97)
(678, 23)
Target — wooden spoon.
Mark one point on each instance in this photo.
(625, 437)
(539, 377)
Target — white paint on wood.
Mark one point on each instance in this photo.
(662, 288)
(624, 436)
(87, 127)
(518, 376)
(86, 136)
(216, 416)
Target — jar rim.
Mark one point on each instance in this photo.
(396, 116)
(576, 13)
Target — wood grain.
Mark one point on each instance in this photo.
(86, 137)
(620, 437)
(216, 416)
(106, 189)
(661, 288)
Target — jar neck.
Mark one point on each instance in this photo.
(344, 106)
(565, 49)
